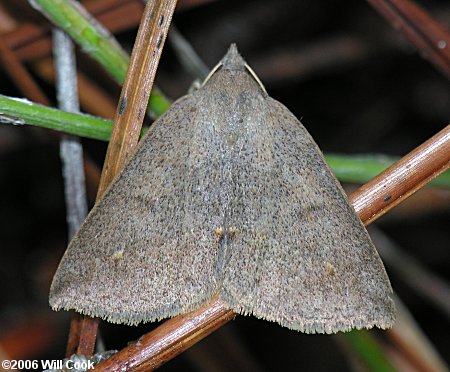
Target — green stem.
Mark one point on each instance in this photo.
(19, 111)
(362, 168)
(96, 41)
(368, 350)
(347, 168)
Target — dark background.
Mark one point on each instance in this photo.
(356, 84)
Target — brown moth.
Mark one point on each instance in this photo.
(229, 194)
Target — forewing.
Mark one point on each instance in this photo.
(297, 253)
(148, 250)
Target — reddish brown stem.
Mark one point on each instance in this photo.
(404, 178)
(429, 37)
(88, 335)
(167, 341)
(178, 334)
(74, 334)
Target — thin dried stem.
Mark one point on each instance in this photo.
(187, 56)
(130, 115)
(71, 153)
(178, 334)
(136, 89)
(429, 37)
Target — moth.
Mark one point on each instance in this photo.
(227, 194)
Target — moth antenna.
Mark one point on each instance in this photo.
(253, 73)
(213, 71)
(249, 69)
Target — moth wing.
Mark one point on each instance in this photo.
(146, 251)
(298, 255)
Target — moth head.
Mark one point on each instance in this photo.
(233, 61)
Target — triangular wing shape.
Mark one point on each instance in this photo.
(148, 249)
(297, 254)
(228, 194)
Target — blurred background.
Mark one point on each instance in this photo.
(357, 85)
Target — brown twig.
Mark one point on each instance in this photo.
(429, 37)
(82, 335)
(136, 89)
(128, 121)
(30, 41)
(176, 335)
(74, 334)
(20, 75)
(404, 178)
(167, 341)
